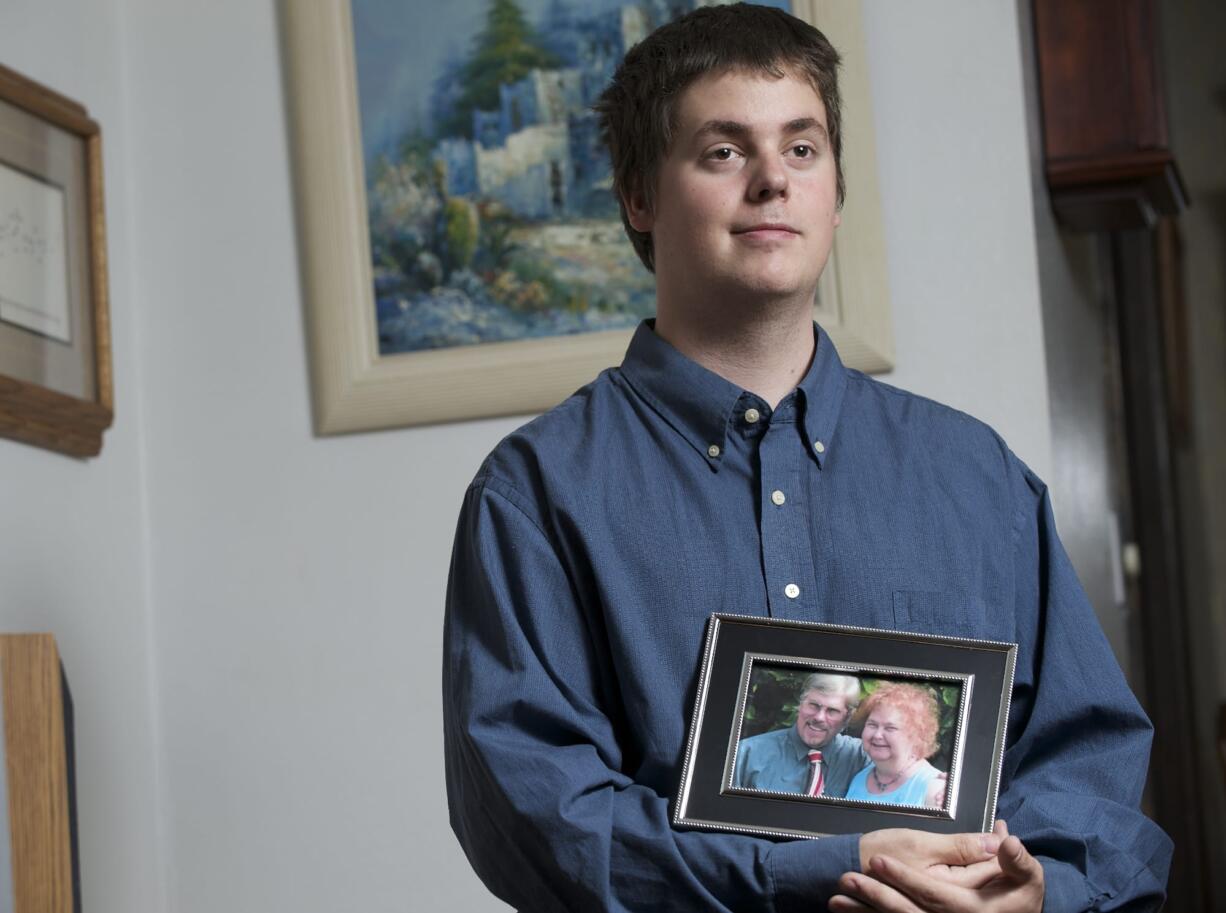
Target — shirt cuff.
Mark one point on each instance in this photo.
(804, 872)
(1064, 888)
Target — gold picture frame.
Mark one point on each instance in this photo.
(55, 344)
(357, 389)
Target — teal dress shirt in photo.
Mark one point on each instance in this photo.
(779, 761)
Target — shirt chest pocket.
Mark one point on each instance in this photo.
(938, 613)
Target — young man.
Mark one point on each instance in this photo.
(733, 464)
(783, 760)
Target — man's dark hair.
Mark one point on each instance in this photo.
(638, 109)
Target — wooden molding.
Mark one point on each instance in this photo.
(36, 770)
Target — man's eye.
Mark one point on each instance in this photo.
(804, 151)
(723, 154)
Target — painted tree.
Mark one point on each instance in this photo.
(505, 52)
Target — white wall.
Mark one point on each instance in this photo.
(297, 583)
(949, 110)
(72, 533)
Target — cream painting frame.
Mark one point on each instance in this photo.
(355, 388)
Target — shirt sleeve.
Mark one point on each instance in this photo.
(535, 785)
(1078, 745)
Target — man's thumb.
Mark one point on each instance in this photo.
(972, 848)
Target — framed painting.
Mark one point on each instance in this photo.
(55, 350)
(804, 729)
(462, 252)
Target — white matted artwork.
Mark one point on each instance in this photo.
(33, 255)
(364, 375)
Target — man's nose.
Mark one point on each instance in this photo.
(769, 180)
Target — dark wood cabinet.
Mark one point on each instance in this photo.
(1106, 153)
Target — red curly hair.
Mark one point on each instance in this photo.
(918, 708)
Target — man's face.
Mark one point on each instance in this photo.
(745, 200)
(820, 717)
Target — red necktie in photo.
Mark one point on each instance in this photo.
(816, 779)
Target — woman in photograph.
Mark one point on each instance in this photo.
(900, 734)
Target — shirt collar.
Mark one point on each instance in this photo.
(821, 394)
(699, 404)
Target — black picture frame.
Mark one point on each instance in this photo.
(735, 644)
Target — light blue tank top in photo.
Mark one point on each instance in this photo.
(912, 792)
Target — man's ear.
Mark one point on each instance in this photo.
(638, 212)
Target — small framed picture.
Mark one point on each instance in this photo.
(804, 730)
(55, 346)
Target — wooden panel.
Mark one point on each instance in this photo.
(1100, 87)
(1165, 630)
(36, 763)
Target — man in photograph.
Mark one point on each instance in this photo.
(733, 464)
(812, 757)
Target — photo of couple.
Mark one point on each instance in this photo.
(840, 736)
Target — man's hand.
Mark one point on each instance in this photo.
(1012, 882)
(975, 875)
(921, 849)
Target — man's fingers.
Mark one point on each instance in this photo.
(841, 903)
(975, 875)
(875, 895)
(926, 892)
(1016, 861)
(967, 849)
(1001, 828)
(920, 849)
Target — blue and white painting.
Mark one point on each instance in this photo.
(491, 211)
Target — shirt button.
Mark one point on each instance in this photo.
(713, 451)
(819, 446)
(752, 416)
(791, 591)
(778, 497)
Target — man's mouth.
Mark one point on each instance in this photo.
(766, 230)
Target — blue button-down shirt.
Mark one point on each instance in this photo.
(595, 542)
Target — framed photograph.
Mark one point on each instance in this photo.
(55, 349)
(462, 252)
(805, 730)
